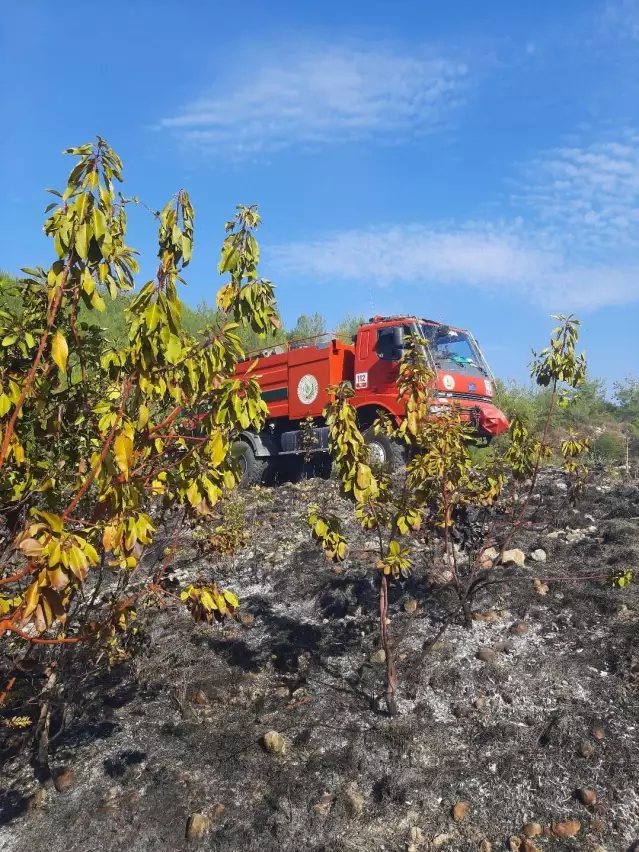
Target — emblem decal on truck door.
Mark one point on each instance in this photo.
(361, 380)
(307, 389)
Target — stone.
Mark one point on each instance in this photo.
(64, 780)
(490, 553)
(599, 734)
(586, 749)
(504, 647)
(461, 811)
(519, 628)
(532, 829)
(487, 564)
(486, 846)
(479, 703)
(514, 843)
(540, 588)
(486, 655)
(568, 828)
(354, 798)
(555, 534)
(378, 657)
(197, 827)
(587, 797)
(282, 692)
(410, 606)
(538, 555)
(485, 616)
(200, 697)
(38, 799)
(528, 846)
(514, 557)
(442, 840)
(416, 839)
(274, 743)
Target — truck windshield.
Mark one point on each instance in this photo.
(455, 350)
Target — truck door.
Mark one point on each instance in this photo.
(378, 354)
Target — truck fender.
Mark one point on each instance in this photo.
(263, 445)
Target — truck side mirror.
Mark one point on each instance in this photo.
(398, 337)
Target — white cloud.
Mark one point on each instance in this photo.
(323, 95)
(589, 196)
(578, 250)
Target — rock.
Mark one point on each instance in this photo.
(555, 534)
(410, 606)
(532, 829)
(354, 798)
(519, 628)
(487, 564)
(540, 588)
(586, 749)
(282, 692)
(599, 734)
(586, 796)
(514, 557)
(200, 697)
(566, 829)
(528, 846)
(479, 703)
(486, 655)
(504, 647)
(461, 811)
(416, 839)
(64, 780)
(274, 743)
(197, 827)
(442, 840)
(486, 846)
(38, 799)
(491, 553)
(514, 843)
(560, 486)
(378, 657)
(485, 616)
(538, 555)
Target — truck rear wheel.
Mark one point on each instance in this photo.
(252, 469)
(384, 451)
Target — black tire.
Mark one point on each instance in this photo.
(384, 451)
(253, 469)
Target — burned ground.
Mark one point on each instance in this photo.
(180, 729)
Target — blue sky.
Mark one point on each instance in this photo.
(472, 162)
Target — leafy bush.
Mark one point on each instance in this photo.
(94, 439)
(610, 447)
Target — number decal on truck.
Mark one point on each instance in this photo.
(307, 389)
(361, 380)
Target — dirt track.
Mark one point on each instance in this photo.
(180, 731)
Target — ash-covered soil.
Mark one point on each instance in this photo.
(180, 730)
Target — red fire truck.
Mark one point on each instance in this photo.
(294, 378)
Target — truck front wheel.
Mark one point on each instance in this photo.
(252, 469)
(384, 451)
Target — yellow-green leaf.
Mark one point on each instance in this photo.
(60, 351)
